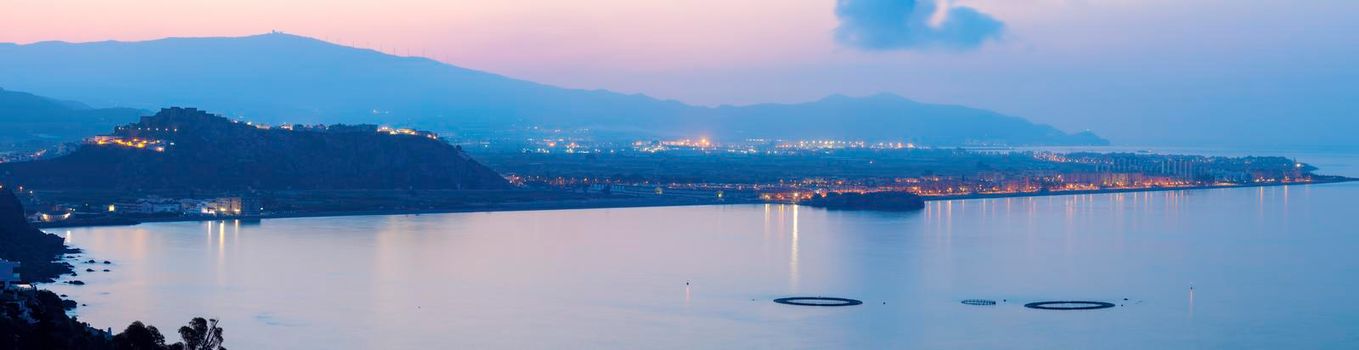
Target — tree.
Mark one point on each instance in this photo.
(139, 336)
(201, 334)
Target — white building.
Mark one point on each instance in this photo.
(150, 205)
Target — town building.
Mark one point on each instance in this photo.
(8, 276)
(243, 206)
(59, 215)
(149, 205)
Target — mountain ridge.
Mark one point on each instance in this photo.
(278, 77)
(26, 118)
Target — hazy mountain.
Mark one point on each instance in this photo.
(277, 78)
(887, 117)
(181, 148)
(26, 117)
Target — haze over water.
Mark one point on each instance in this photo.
(1270, 268)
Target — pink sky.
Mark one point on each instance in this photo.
(659, 47)
(1133, 67)
(502, 35)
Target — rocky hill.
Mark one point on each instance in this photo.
(185, 148)
(38, 253)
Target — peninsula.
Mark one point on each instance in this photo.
(189, 149)
(188, 164)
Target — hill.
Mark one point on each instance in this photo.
(25, 118)
(184, 148)
(279, 78)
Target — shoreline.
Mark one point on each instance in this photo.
(632, 202)
(1127, 190)
(641, 202)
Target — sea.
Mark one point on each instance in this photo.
(1245, 268)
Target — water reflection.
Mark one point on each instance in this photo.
(1191, 302)
(793, 256)
(556, 278)
(688, 294)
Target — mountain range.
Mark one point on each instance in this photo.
(30, 118)
(277, 78)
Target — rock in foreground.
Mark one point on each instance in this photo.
(37, 252)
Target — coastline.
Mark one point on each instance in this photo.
(640, 202)
(632, 202)
(1128, 190)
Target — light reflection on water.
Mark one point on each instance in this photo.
(1269, 267)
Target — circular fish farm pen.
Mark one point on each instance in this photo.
(979, 302)
(818, 301)
(1069, 305)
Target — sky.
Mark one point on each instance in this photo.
(1140, 72)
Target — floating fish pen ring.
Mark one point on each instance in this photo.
(979, 302)
(1069, 305)
(817, 301)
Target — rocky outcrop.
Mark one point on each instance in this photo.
(38, 252)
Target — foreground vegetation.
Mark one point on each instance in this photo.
(38, 320)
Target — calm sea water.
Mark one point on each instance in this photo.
(1269, 268)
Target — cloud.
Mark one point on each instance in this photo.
(912, 25)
